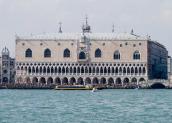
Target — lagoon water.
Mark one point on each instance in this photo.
(105, 106)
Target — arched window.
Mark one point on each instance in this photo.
(136, 55)
(98, 53)
(66, 53)
(47, 53)
(82, 55)
(116, 55)
(28, 53)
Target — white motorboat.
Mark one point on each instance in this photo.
(94, 89)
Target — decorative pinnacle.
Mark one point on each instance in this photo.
(132, 32)
(86, 28)
(86, 19)
(113, 28)
(60, 27)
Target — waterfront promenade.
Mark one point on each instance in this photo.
(52, 86)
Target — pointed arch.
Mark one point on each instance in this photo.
(29, 70)
(66, 53)
(128, 70)
(47, 53)
(59, 70)
(93, 70)
(124, 70)
(142, 80)
(117, 55)
(80, 81)
(98, 53)
(48, 69)
(101, 70)
(134, 80)
(52, 70)
(82, 55)
(126, 81)
(118, 81)
(109, 70)
(97, 70)
(82, 69)
(57, 81)
(37, 70)
(95, 81)
(140, 70)
(44, 70)
(55, 70)
(25, 68)
(103, 81)
(112, 69)
(67, 70)
(116, 70)
(136, 55)
(28, 53)
(71, 70)
(50, 80)
(86, 70)
(90, 70)
(132, 70)
(65, 81)
(120, 70)
(87, 81)
(110, 81)
(144, 70)
(42, 80)
(136, 70)
(105, 70)
(78, 69)
(40, 69)
(33, 69)
(74, 70)
(72, 81)
(63, 69)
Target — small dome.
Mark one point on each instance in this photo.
(86, 27)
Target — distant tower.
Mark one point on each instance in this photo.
(86, 28)
(60, 27)
(5, 68)
(113, 28)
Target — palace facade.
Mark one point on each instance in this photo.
(89, 58)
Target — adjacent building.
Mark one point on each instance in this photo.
(169, 68)
(89, 58)
(7, 67)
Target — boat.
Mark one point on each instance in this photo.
(73, 87)
(94, 89)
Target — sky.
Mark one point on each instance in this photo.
(26, 17)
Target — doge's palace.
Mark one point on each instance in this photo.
(89, 58)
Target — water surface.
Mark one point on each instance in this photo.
(105, 106)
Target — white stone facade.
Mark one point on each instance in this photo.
(88, 58)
